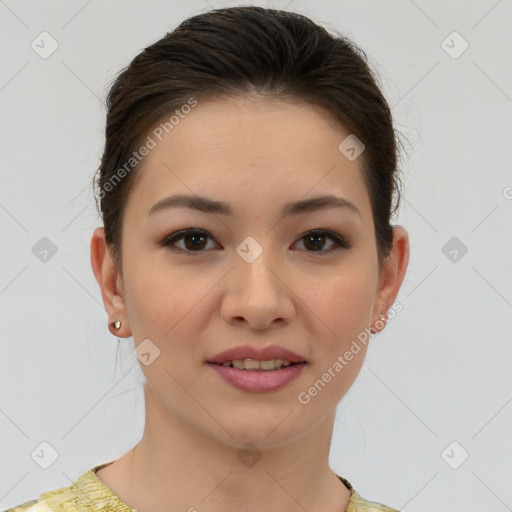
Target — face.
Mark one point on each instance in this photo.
(307, 280)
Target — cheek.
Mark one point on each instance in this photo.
(344, 305)
(164, 305)
(345, 301)
(169, 304)
(157, 297)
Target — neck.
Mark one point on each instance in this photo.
(176, 463)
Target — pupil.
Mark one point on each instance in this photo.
(309, 238)
(201, 238)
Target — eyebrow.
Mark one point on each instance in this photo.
(206, 205)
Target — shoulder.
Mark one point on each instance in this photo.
(58, 500)
(28, 505)
(61, 499)
(358, 504)
(35, 505)
(86, 494)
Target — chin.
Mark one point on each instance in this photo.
(264, 431)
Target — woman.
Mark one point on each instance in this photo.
(246, 189)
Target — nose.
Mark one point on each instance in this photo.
(257, 293)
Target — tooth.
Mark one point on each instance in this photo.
(270, 365)
(251, 364)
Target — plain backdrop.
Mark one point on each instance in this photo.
(427, 424)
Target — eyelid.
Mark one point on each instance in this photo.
(341, 242)
(182, 233)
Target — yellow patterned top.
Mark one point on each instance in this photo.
(90, 494)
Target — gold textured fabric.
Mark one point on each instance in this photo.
(90, 494)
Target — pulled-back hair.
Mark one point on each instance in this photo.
(237, 51)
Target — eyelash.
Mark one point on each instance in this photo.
(340, 242)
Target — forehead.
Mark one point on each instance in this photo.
(248, 148)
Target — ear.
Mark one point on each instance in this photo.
(111, 283)
(392, 275)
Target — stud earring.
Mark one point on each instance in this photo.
(117, 325)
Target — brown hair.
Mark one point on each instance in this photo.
(240, 50)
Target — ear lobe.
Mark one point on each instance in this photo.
(107, 276)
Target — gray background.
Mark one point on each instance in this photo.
(439, 373)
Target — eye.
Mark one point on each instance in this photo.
(195, 241)
(316, 240)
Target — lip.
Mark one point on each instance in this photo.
(258, 381)
(258, 353)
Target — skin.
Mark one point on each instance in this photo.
(255, 154)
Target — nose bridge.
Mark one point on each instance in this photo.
(256, 264)
(257, 292)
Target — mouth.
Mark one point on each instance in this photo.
(256, 365)
(258, 376)
(258, 369)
